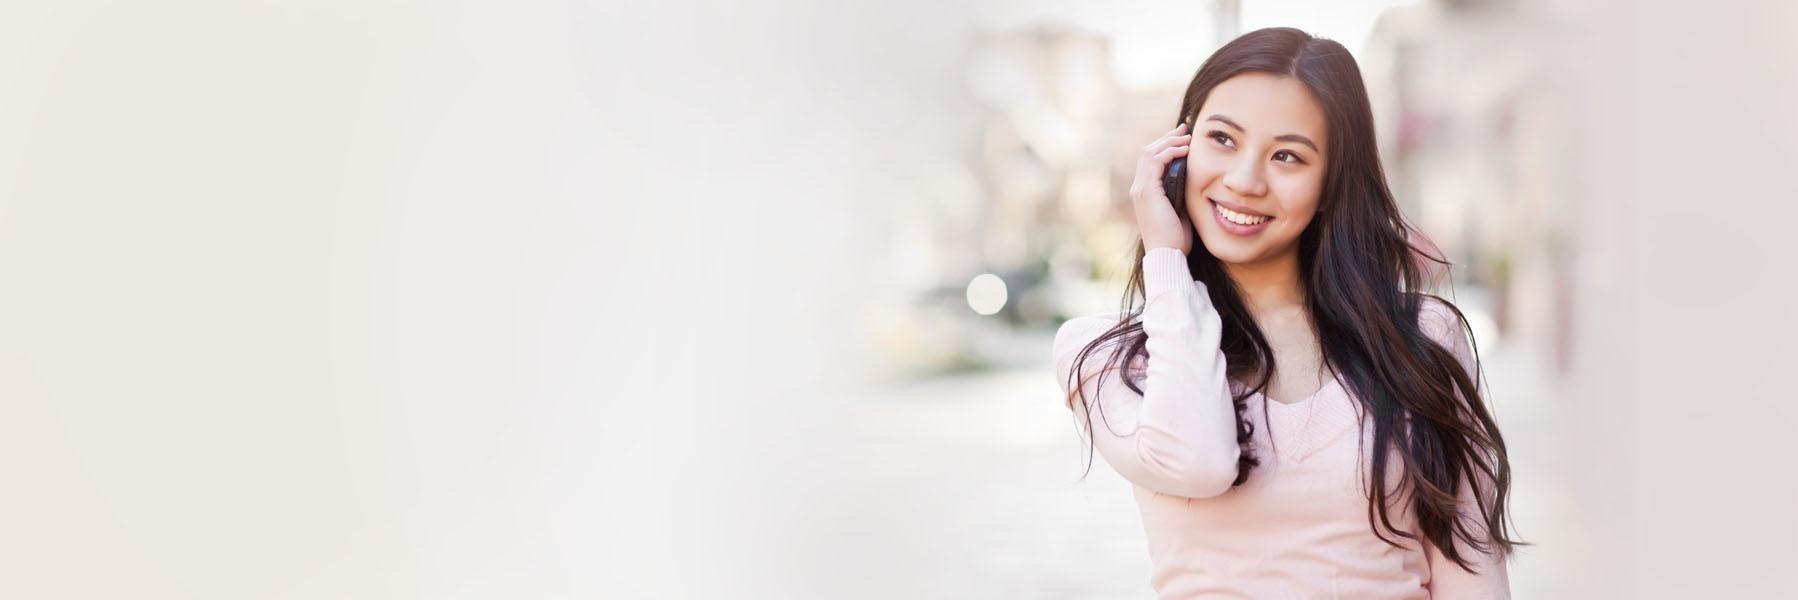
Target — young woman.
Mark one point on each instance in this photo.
(1228, 396)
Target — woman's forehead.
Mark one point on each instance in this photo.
(1265, 105)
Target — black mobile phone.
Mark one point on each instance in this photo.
(1173, 181)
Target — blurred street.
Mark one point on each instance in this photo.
(979, 473)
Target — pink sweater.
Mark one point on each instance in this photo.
(1298, 527)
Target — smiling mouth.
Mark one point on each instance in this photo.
(1238, 218)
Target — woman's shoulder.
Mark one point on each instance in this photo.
(1076, 333)
(1443, 323)
(1438, 318)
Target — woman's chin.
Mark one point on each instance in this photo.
(1228, 251)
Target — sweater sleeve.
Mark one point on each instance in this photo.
(1178, 436)
(1447, 579)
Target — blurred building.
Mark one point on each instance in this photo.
(1034, 206)
(1472, 143)
(1025, 224)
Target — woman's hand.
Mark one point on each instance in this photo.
(1155, 216)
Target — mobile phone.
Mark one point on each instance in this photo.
(1173, 181)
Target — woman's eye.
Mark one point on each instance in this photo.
(1289, 157)
(1219, 137)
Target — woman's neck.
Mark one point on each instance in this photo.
(1269, 286)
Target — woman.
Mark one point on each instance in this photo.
(1299, 319)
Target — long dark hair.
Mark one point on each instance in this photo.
(1364, 288)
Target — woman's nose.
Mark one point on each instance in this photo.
(1245, 177)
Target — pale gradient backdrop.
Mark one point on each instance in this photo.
(559, 299)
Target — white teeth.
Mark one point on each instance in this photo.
(1238, 218)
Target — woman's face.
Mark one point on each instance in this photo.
(1256, 167)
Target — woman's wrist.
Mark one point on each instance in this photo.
(1163, 269)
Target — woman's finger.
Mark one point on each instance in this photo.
(1171, 152)
(1154, 161)
(1158, 145)
(1171, 133)
(1148, 175)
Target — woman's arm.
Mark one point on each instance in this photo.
(1178, 436)
(1447, 579)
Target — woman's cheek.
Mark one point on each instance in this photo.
(1204, 164)
(1200, 175)
(1302, 195)
(1197, 181)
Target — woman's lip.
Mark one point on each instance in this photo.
(1233, 227)
(1237, 207)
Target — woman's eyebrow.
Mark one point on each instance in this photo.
(1225, 120)
(1289, 137)
(1293, 137)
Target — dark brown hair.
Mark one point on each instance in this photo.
(1364, 289)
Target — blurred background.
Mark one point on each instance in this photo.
(1024, 222)
(564, 299)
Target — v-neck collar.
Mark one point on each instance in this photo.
(1300, 429)
(1301, 403)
